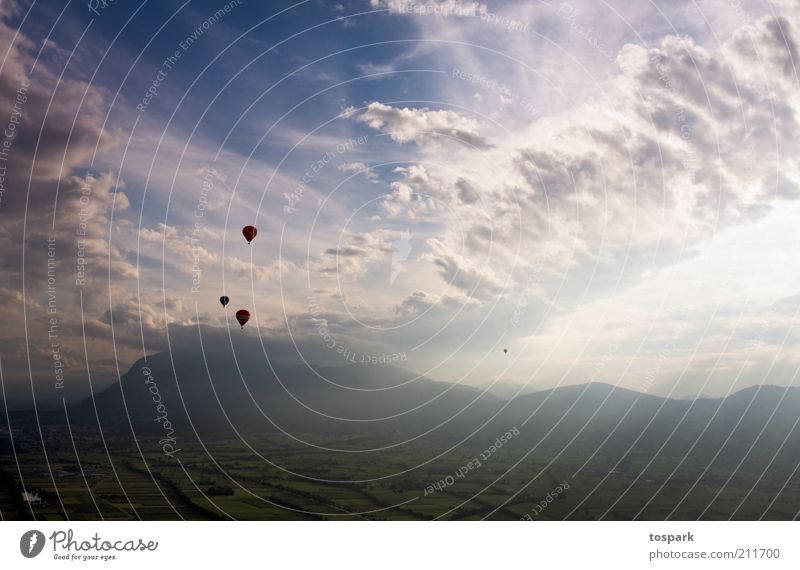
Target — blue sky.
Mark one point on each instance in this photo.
(606, 190)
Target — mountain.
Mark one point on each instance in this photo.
(219, 394)
(755, 426)
(626, 454)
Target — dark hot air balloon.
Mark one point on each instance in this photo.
(224, 300)
(242, 316)
(249, 232)
(505, 351)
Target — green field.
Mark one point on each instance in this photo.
(274, 477)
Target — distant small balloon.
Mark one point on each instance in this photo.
(242, 316)
(505, 351)
(249, 232)
(224, 300)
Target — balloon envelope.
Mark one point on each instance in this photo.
(505, 351)
(249, 232)
(242, 316)
(224, 300)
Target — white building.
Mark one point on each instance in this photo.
(31, 498)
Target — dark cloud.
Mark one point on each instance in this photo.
(467, 192)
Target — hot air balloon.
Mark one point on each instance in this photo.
(224, 300)
(505, 351)
(249, 232)
(242, 316)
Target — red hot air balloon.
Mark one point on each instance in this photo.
(249, 232)
(242, 316)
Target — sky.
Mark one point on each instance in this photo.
(606, 190)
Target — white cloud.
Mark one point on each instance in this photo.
(422, 126)
(460, 8)
(359, 167)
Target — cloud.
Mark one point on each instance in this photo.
(684, 141)
(163, 232)
(416, 195)
(467, 192)
(420, 302)
(360, 168)
(58, 121)
(459, 8)
(57, 217)
(464, 273)
(270, 273)
(422, 126)
(354, 254)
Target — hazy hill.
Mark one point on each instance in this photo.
(217, 395)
